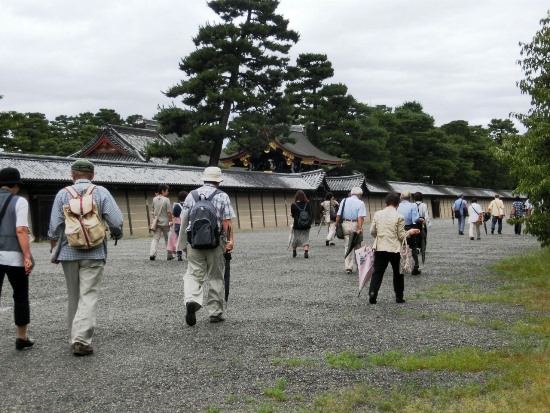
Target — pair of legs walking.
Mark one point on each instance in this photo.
(381, 261)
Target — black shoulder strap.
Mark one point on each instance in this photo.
(5, 207)
(213, 194)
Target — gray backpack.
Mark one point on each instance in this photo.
(203, 232)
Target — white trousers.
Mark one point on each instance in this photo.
(349, 228)
(475, 228)
(205, 266)
(161, 230)
(83, 281)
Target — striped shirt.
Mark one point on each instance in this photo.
(108, 210)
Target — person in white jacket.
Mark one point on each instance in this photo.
(474, 213)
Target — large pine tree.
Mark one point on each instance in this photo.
(233, 81)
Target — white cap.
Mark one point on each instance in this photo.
(212, 174)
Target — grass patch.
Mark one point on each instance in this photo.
(278, 391)
(344, 360)
(440, 291)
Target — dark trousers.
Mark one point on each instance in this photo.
(381, 261)
(20, 283)
(517, 229)
(414, 242)
(494, 220)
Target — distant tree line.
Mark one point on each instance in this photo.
(34, 134)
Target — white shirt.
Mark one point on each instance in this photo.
(473, 211)
(15, 258)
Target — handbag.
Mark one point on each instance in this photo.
(153, 226)
(406, 263)
(339, 228)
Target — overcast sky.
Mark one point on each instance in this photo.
(457, 58)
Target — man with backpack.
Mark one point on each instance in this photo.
(207, 215)
(82, 265)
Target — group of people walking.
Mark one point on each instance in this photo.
(404, 219)
(83, 267)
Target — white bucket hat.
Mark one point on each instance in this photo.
(212, 174)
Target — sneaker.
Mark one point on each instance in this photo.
(216, 318)
(190, 317)
(21, 344)
(327, 243)
(332, 243)
(81, 349)
(471, 238)
(306, 255)
(399, 300)
(348, 271)
(294, 254)
(170, 257)
(416, 271)
(152, 258)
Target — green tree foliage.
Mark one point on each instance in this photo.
(529, 155)
(501, 128)
(233, 84)
(32, 133)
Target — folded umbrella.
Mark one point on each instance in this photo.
(355, 239)
(320, 225)
(423, 244)
(486, 217)
(227, 274)
(365, 265)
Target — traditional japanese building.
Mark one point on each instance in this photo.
(296, 155)
(122, 144)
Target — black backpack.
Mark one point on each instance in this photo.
(304, 219)
(203, 232)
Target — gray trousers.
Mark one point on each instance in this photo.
(205, 265)
(83, 281)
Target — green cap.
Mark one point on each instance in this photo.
(82, 165)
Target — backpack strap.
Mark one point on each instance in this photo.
(90, 189)
(72, 191)
(5, 207)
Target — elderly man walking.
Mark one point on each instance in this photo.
(83, 268)
(206, 263)
(351, 214)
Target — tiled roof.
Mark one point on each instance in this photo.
(35, 168)
(344, 183)
(305, 149)
(131, 141)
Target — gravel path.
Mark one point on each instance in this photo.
(148, 360)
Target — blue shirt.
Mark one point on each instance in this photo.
(108, 210)
(409, 211)
(459, 205)
(353, 208)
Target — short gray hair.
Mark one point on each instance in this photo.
(356, 191)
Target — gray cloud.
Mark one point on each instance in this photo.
(458, 59)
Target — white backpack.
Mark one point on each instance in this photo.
(83, 226)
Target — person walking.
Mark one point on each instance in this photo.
(83, 268)
(171, 247)
(496, 208)
(388, 229)
(300, 211)
(163, 213)
(475, 218)
(15, 252)
(412, 220)
(351, 214)
(517, 213)
(207, 264)
(459, 209)
(329, 209)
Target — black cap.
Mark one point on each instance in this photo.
(10, 176)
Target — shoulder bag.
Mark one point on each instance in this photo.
(406, 263)
(339, 228)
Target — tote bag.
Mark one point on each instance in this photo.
(406, 264)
